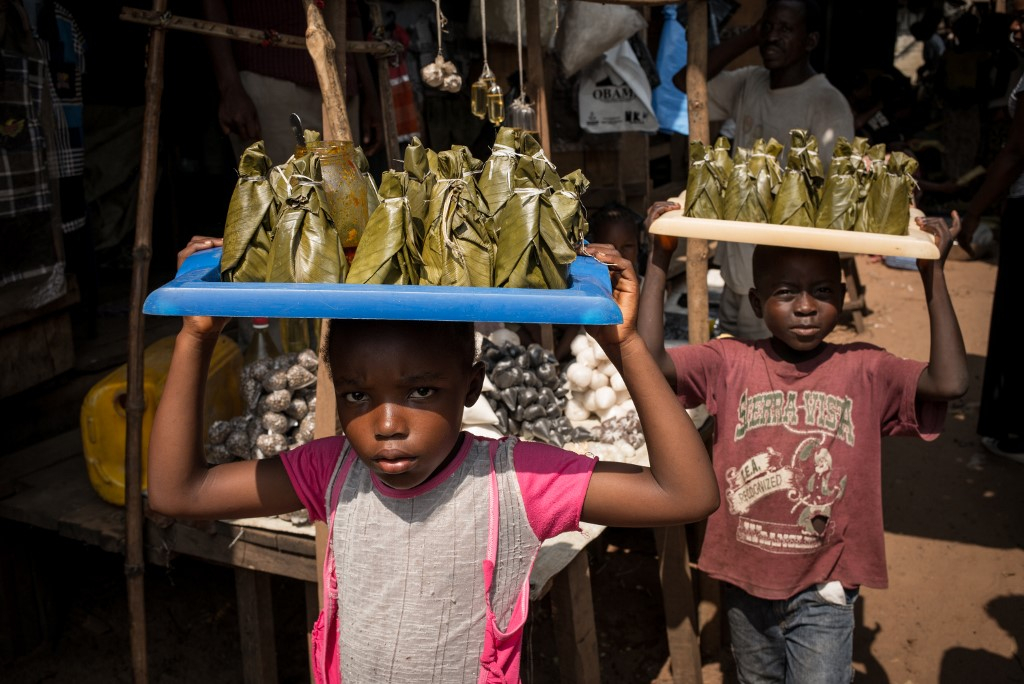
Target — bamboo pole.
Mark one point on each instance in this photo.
(142, 252)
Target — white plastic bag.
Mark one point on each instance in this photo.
(615, 95)
(590, 29)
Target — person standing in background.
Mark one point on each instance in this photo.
(769, 101)
(260, 86)
(1004, 370)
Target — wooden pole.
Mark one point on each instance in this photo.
(536, 86)
(387, 101)
(135, 407)
(376, 48)
(676, 577)
(336, 127)
(697, 98)
(321, 47)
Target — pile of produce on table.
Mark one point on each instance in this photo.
(279, 395)
(864, 189)
(529, 392)
(446, 219)
(598, 397)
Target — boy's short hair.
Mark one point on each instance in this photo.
(766, 255)
(812, 13)
(614, 212)
(461, 336)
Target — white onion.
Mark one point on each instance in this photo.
(588, 402)
(575, 411)
(598, 380)
(605, 398)
(586, 357)
(579, 375)
(579, 343)
(617, 383)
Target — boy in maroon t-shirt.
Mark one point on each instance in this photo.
(797, 451)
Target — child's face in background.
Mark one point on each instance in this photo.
(621, 234)
(401, 389)
(799, 295)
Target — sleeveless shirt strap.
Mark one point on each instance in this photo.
(337, 479)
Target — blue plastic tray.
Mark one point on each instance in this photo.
(198, 291)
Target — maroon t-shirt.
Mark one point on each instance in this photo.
(797, 448)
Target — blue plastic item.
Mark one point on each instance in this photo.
(198, 291)
(670, 102)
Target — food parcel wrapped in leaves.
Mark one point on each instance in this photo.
(250, 221)
(388, 252)
(306, 247)
(842, 196)
(796, 203)
(569, 207)
(459, 245)
(755, 178)
(497, 177)
(887, 202)
(421, 167)
(534, 243)
(707, 180)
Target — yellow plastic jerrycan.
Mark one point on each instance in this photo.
(103, 417)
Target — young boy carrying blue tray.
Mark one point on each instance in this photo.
(797, 450)
(433, 531)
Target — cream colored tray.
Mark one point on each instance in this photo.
(918, 244)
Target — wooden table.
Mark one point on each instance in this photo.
(47, 486)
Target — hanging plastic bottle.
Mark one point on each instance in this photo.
(261, 346)
(479, 91)
(495, 104)
(522, 116)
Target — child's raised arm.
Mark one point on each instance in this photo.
(181, 484)
(946, 376)
(651, 316)
(680, 484)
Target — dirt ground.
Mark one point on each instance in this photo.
(954, 611)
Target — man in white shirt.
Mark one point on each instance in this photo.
(768, 101)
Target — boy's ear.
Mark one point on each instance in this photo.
(476, 384)
(813, 38)
(755, 302)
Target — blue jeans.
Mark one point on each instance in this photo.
(800, 640)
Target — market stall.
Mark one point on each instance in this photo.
(248, 541)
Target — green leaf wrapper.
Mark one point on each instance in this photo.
(388, 252)
(707, 180)
(842, 196)
(420, 164)
(887, 202)
(248, 230)
(459, 245)
(796, 203)
(306, 248)
(755, 178)
(534, 248)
